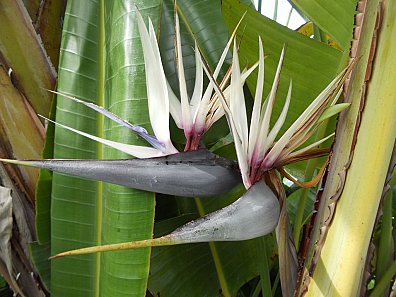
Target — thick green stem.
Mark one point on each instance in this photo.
(340, 266)
(215, 255)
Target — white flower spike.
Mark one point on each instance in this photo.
(195, 116)
(256, 148)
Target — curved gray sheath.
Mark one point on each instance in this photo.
(189, 174)
(254, 214)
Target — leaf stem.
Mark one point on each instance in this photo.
(100, 125)
(384, 281)
(276, 283)
(262, 257)
(216, 259)
(385, 247)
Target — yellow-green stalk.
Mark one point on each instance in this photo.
(340, 267)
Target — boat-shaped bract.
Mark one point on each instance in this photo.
(254, 214)
(190, 174)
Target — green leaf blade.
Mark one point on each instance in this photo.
(128, 214)
(73, 205)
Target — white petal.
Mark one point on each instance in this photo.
(140, 152)
(324, 96)
(307, 148)
(174, 107)
(263, 133)
(203, 109)
(279, 123)
(241, 154)
(237, 101)
(247, 72)
(255, 120)
(157, 91)
(185, 105)
(198, 87)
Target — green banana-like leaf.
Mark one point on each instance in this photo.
(333, 17)
(101, 61)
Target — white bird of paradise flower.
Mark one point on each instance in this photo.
(194, 116)
(256, 148)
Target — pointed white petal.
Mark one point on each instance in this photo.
(311, 146)
(185, 105)
(216, 115)
(241, 154)
(255, 120)
(279, 123)
(246, 72)
(263, 133)
(142, 132)
(204, 106)
(237, 101)
(174, 107)
(157, 91)
(140, 152)
(225, 51)
(318, 103)
(198, 87)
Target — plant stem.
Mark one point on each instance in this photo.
(385, 252)
(100, 125)
(340, 268)
(276, 283)
(215, 255)
(262, 258)
(384, 281)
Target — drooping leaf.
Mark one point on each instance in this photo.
(6, 224)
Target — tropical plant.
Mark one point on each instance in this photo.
(102, 62)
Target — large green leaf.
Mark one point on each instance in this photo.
(101, 61)
(128, 214)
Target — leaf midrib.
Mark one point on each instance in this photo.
(100, 125)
